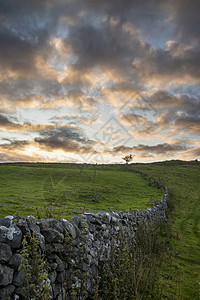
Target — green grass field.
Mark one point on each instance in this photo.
(180, 270)
(73, 188)
(69, 189)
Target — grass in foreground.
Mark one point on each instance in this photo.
(71, 189)
(131, 272)
(179, 274)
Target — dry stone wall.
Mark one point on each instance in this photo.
(73, 249)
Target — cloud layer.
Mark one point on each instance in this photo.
(78, 76)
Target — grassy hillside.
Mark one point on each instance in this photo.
(75, 187)
(72, 188)
(180, 270)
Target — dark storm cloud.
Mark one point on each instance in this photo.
(122, 148)
(164, 148)
(4, 121)
(66, 139)
(64, 134)
(7, 123)
(103, 39)
(160, 148)
(103, 46)
(182, 15)
(188, 123)
(185, 15)
(15, 53)
(108, 44)
(14, 144)
(179, 112)
(22, 36)
(28, 25)
(180, 102)
(10, 7)
(141, 13)
(169, 65)
(26, 28)
(29, 92)
(94, 37)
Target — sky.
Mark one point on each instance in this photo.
(90, 81)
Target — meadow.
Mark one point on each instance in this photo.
(69, 189)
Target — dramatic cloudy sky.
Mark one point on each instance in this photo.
(94, 80)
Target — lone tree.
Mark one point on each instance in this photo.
(128, 158)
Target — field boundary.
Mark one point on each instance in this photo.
(159, 184)
(74, 249)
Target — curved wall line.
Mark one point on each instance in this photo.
(79, 245)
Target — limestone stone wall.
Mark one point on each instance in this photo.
(73, 249)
